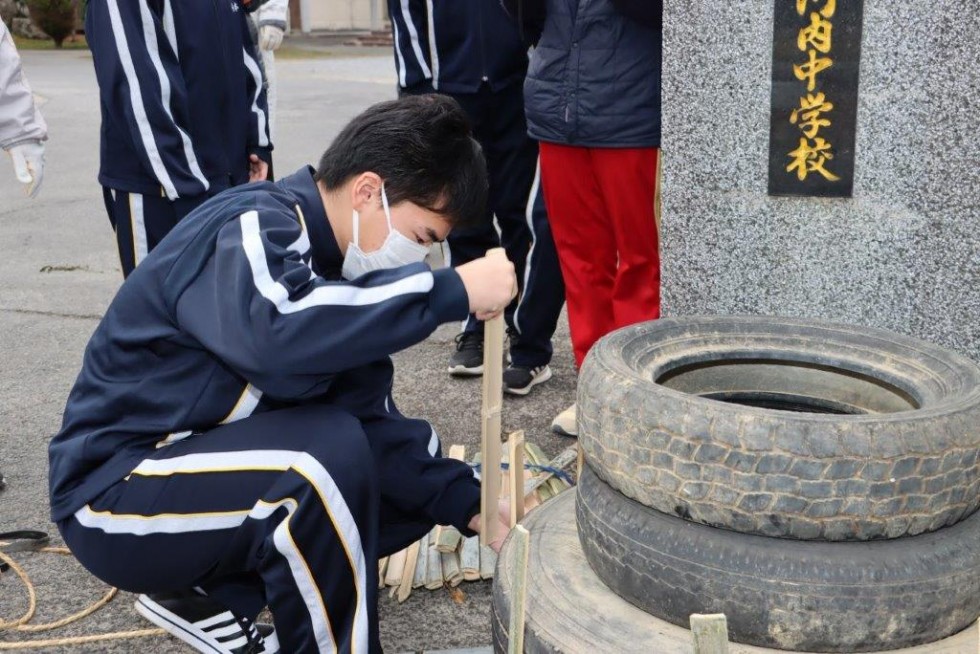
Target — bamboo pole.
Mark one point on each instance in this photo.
(519, 540)
(382, 569)
(488, 561)
(710, 633)
(493, 399)
(515, 459)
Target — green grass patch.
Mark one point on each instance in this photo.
(76, 42)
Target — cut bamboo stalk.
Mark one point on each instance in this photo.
(447, 536)
(433, 572)
(450, 568)
(710, 633)
(493, 399)
(408, 573)
(382, 569)
(515, 458)
(421, 566)
(488, 561)
(396, 564)
(519, 540)
(469, 559)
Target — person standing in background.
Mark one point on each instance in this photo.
(22, 129)
(472, 52)
(593, 102)
(270, 20)
(184, 112)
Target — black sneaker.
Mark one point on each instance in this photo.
(518, 380)
(206, 625)
(467, 360)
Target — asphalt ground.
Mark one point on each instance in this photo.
(58, 272)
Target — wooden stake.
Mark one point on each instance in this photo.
(710, 633)
(408, 572)
(519, 540)
(515, 458)
(493, 399)
(488, 561)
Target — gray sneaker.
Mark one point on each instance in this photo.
(519, 381)
(467, 360)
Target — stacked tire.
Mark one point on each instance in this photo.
(817, 483)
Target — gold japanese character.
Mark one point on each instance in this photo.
(810, 158)
(816, 34)
(809, 114)
(828, 9)
(809, 70)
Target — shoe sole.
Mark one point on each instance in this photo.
(463, 371)
(556, 429)
(540, 379)
(175, 626)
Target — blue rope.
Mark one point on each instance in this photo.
(561, 474)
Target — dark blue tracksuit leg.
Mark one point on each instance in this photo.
(141, 221)
(280, 508)
(517, 203)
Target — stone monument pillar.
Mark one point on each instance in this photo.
(903, 252)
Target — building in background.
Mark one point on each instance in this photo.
(314, 15)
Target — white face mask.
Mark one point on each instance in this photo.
(397, 250)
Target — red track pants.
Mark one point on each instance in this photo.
(603, 206)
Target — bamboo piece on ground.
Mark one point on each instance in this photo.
(396, 564)
(469, 559)
(447, 536)
(519, 540)
(433, 574)
(382, 568)
(488, 561)
(450, 568)
(493, 399)
(408, 572)
(710, 633)
(421, 566)
(535, 457)
(515, 459)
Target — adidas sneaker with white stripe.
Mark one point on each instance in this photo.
(206, 625)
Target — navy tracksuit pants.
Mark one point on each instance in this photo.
(517, 202)
(279, 509)
(141, 221)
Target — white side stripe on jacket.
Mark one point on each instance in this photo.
(433, 49)
(529, 216)
(413, 33)
(136, 98)
(153, 48)
(256, 72)
(168, 27)
(399, 56)
(330, 295)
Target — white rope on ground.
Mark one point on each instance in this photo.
(21, 623)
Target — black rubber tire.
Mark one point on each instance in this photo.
(910, 465)
(797, 595)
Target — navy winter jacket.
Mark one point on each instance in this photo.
(594, 76)
(454, 46)
(182, 94)
(241, 310)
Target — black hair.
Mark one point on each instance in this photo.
(423, 148)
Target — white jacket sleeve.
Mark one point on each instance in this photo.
(272, 12)
(19, 119)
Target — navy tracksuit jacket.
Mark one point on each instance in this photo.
(236, 381)
(473, 52)
(183, 106)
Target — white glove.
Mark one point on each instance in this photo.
(270, 37)
(28, 158)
